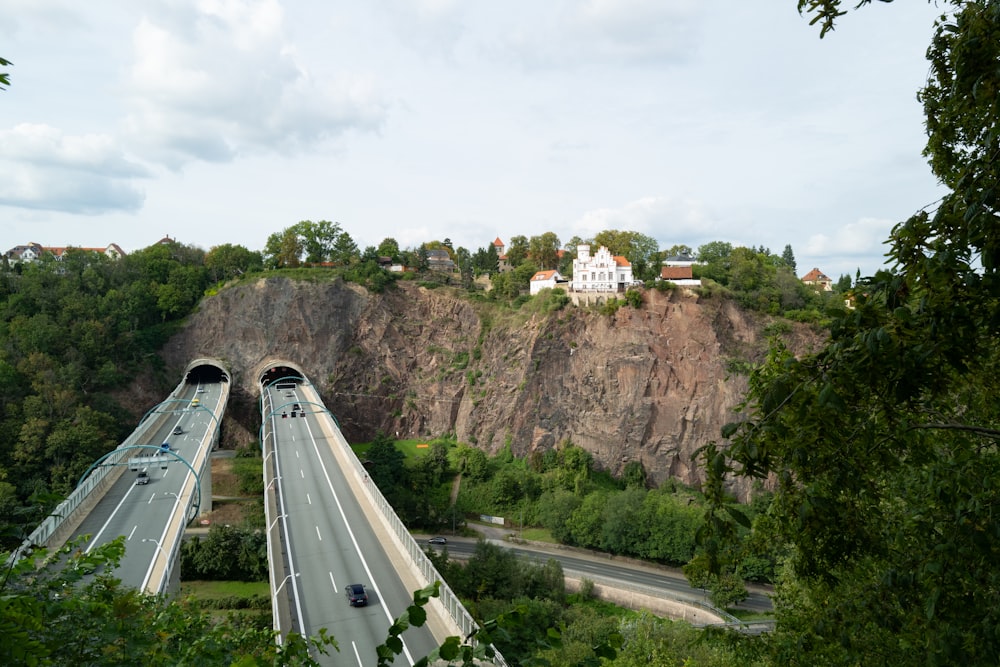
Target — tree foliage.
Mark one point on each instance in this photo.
(884, 443)
(69, 609)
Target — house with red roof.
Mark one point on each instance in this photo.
(818, 279)
(545, 279)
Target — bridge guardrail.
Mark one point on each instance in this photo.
(98, 480)
(452, 604)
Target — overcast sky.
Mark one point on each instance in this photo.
(224, 121)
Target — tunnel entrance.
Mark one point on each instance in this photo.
(289, 377)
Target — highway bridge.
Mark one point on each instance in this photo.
(171, 445)
(335, 529)
(328, 526)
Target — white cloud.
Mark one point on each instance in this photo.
(83, 174)
(669, 220)
(854, 245)
(219, 80)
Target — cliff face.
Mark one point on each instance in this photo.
(645, 385)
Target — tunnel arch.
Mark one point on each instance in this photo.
(279, 369)
(206, 371)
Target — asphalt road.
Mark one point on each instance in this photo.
(330, 544)
(142, 513)
(642, 578)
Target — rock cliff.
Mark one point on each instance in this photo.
(647, 384)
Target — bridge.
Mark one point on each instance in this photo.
(328, 525)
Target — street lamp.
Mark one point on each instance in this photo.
(271, 483)
(280, 516)
(156, 542)
(283, 582)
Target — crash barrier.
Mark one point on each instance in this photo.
(423, 565)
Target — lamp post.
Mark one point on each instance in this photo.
(280, 516)
(157, 543)
(271, 483)
(283, 582)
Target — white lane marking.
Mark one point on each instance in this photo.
(356, 654)
(318, 535)
(296, 453)
(284, 524)
(131, 532)
(94, 540)
(302, 474)
(354, 541)
(309, 499)
(333, 582)
(150, 501)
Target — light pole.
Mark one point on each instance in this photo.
(280, 516)
(271, 483)
(283, 582)
(157, 543)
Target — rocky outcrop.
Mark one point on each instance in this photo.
(648, 384)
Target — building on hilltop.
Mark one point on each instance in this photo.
(32, 252)
(503, 264)
(438, 259)
(679, 275)
(545, 279)
(818, 279)
(600, 272)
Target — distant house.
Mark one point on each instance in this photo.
(439, 260)
(683, 259)
(600, 272)
(34, 251)
(817, 278)
(679, 275)
(544, 279)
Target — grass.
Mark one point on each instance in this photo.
(410, 448)
(212, 590)
(538, 535)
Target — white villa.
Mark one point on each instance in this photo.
(600, 272)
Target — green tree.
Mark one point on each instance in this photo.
(228, 261)
(389, 247)
(518, 251)
(788, 257)
(544, 250)
(4, 76)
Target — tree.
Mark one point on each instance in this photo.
(283, 249)
(229, 261)
(518, 251)
(883, 442)
(788, 257)
(389, 247)
(544, 250)
(4, 76)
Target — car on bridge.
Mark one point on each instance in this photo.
(142, 478)
(178, 430)
(356, 595)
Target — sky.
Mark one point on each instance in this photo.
(689, 121)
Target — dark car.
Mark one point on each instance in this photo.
(142, 478)
(178, 430)
(356, 595)
(437, 540)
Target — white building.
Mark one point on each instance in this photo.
(600, 272)
(545, 279)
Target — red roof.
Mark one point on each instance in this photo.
(621, 261)
(498, 242)
(544, 275)
(676, 273)
(816, 276)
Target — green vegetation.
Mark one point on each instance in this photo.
(70, 610)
